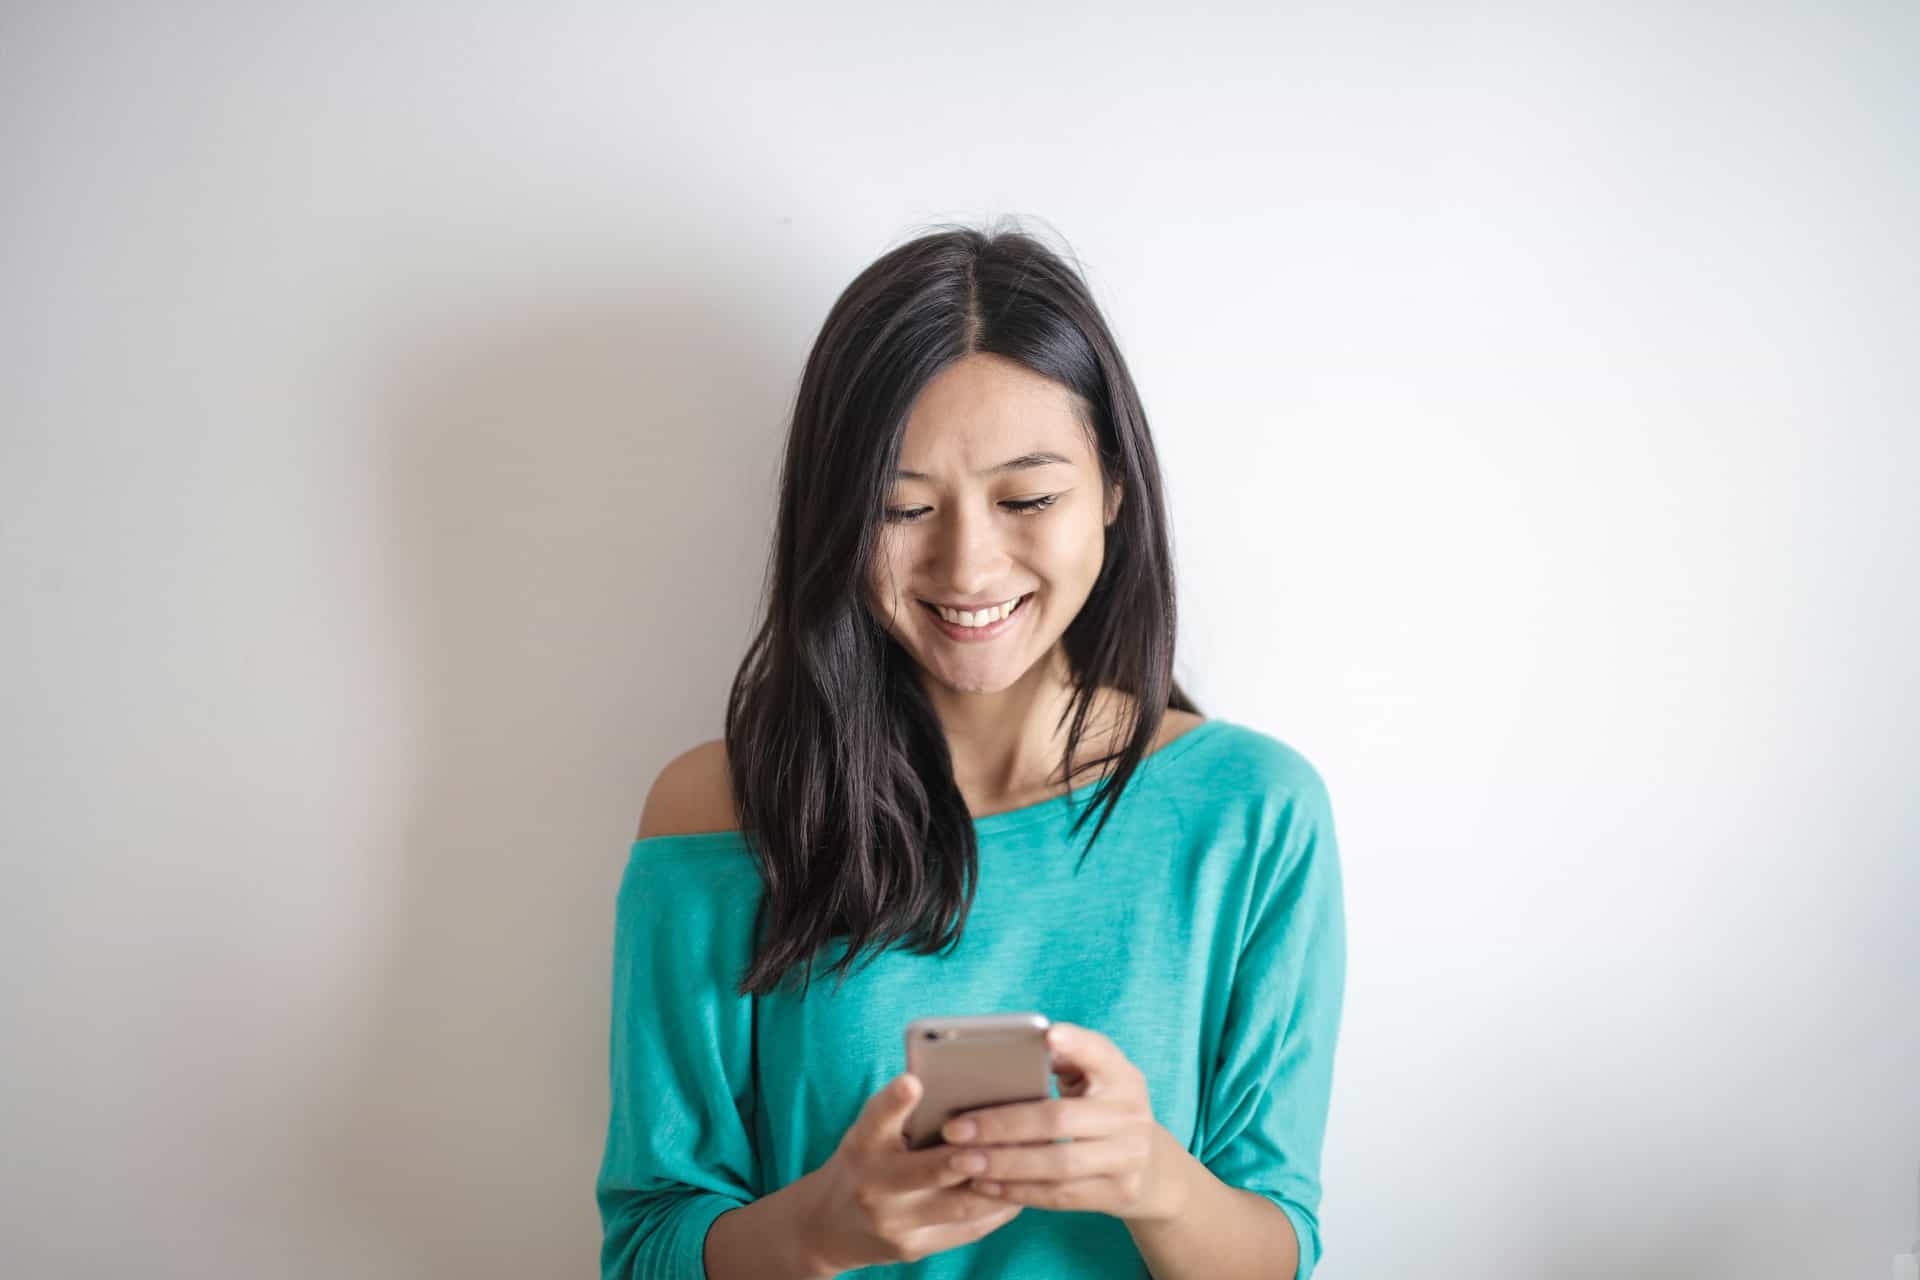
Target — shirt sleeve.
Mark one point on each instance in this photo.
(679, 1151)
(1266, 1105)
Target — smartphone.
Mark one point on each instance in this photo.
(981, 1060)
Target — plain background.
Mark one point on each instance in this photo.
(393, 397)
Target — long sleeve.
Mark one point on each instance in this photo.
(679, 1149)
(1266, 1107)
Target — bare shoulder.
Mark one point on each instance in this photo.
(1114, 712)
(693, 794)
(1174, 724)
(1118, 710)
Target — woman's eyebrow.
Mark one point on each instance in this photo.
(1026, 461)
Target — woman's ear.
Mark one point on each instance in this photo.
(1114, 495)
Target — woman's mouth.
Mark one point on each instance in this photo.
(979, 632)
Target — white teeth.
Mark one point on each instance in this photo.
(981, 617)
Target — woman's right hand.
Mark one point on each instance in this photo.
(878, 1202)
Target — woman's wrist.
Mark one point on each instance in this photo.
(770, 1239)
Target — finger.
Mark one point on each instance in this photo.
(1060, 1161)
(926, 1170)
(944, 1206)
(1074, 1193)
(939, 1237)
(1043, 1121)
(1082, 1051)
(883, 1120)
(958, 1204)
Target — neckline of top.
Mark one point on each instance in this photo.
(1044, 810)
(1026, 815)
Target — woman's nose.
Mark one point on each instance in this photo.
(969, 554)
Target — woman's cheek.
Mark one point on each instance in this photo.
(1061, 542)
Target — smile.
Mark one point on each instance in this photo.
(987, 631)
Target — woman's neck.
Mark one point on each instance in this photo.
(1007, 751)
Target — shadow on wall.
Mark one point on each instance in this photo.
(576, 503)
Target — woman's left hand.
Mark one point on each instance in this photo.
(1120, 1160)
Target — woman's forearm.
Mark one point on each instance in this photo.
(1217, 1231)
(765, 1240)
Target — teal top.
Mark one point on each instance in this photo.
(1204, 934)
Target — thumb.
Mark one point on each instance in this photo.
(885, 1115)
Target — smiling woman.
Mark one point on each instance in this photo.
(970, 614)
(966, 434)
(989, 550)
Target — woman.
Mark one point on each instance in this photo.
(967, 650)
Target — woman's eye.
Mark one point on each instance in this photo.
(1025, 507)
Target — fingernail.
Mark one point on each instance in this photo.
(959, 1130)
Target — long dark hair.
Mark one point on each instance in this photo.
(842, 781)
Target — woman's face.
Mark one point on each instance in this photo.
(959, 531)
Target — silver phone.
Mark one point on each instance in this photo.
(980, 1060)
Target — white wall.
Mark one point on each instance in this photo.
(391, 409)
